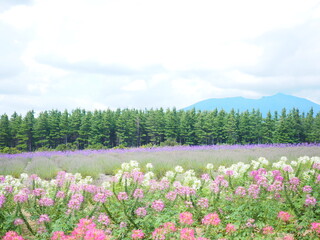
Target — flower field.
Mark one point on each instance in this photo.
(257, 200)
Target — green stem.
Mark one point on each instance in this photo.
(25, 220)
(109, 213)
(128, 217)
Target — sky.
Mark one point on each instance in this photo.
(100, 54)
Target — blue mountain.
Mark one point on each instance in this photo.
(269, 103)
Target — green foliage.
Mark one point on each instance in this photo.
(82, 129)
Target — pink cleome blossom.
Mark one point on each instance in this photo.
(186, 218)
(158, 205)
(187, 234)
(284, 216)
(315, 226)
(11, 235)
(211, 219)
(137, 234)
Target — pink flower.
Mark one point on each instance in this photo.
(21, 198)
(203, 202)
(75, 201)
(123, 224)
(240, 191)
(211, 219)
(284, 216)
(169, 226)
(158, 205)
(46, 202)
(138, 193)
(187, 234)
(122, 196)
(11, 235)
(229, 172)
(141, 212)
(171, 196)
(186, 218)
(230, 228)
(43, 218)
(103, 219)
(100, 197)
(38, 192)
(58, 235)
(254, 190)
(137, 234)
(287, 168)
(267, 230)
(288, 237)
(2, 200)
(310, 201)
(18, 221)
(94, 234)
(307, 189)
(60, 194)
(315, 227)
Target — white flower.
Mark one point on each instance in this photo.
(209, 166)
(149, 175)
(134, 164)
(149, 166)
(169, 174)
(196, 184)
(189, 173)
(222, 169)
(283, 159)
(178, 169)
(294, 163)
(315, 159)
(255, 164)
(77, 176)
(303, 160)
(263, 161)
(106, 184)
(24, 176)
(125, 166)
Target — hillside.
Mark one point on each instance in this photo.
(269, 103)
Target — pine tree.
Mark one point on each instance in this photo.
(54, 119)
(268, 127)
(15, 123)
(231, 128)
(41, 130)
(64, 127)
(5, 134)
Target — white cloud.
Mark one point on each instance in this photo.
(147, 53)
(137, 85)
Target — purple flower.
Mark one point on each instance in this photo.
(43, 218)
(104, 219)
(20, 198)
(138, 193)
(310, 201)
(122, 196)
(2, 200)
(45, 201)
(158, 205)
(141, 212)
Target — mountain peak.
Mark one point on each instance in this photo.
(265, 104)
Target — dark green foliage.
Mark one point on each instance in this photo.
(82, 129)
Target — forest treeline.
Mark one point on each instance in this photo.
(81, 129)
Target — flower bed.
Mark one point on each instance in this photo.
(243, 201)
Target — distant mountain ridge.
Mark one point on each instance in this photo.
(268, 103)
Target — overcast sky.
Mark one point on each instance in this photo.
(99, 54)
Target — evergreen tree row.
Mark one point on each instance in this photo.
(82, 129)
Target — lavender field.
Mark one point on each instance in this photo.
(96, 162)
